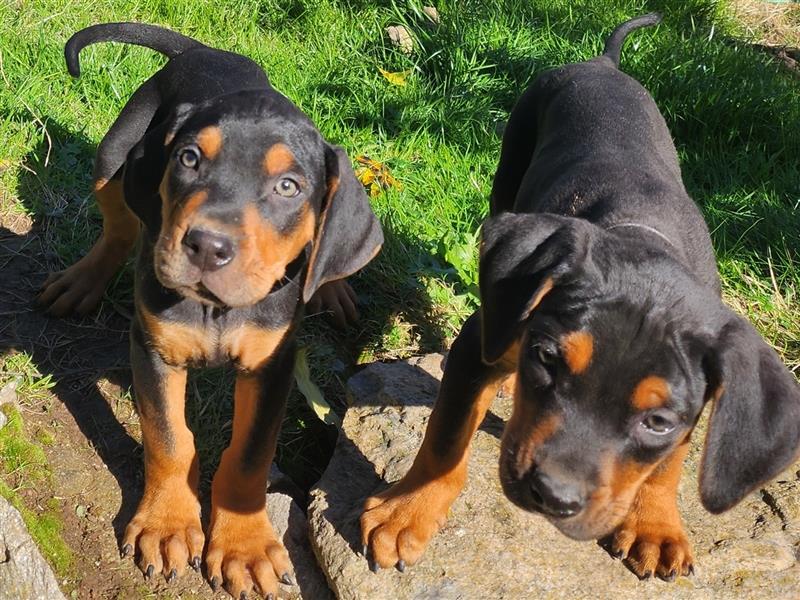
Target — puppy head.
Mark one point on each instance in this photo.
(248, 194)
(617, 352)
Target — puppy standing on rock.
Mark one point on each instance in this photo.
(245, 212)
(600, 294)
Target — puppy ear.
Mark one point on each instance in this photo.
(523, 256)
(348, 234)
(754, 430)
(145, 165)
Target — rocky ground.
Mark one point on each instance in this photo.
(489, 548)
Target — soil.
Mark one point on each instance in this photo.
(96, 459)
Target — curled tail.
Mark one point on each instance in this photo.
(156, 38)
(617, 37)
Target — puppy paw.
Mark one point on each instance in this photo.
(243, 552)
(339, 300)
(166, 534)
(398, 524)
(653, 544)
(79, 288)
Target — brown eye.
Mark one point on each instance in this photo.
(287, 188)
(658, 423)
(547, 355)
(189, 158)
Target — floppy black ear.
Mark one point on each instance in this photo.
(145, 165)
(754, 431)
(348, 235)
(523, 256)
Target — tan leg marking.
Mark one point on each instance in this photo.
(243, 549)
(166, 528)
(651, 538)
(80, 287)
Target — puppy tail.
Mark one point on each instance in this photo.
(156, 38)
(617, 37)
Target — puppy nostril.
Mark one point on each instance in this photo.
(535, 495)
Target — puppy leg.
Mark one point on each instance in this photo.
(398, 524)
(166, 530)
(80, 287)
(651, 538)
(243, 549)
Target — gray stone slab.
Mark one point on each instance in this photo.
(489, 548)
(24, 573)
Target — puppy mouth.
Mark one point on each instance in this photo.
(189, 283)
(200, 293)
(595, 520)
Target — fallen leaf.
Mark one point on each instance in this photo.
(375, 176)
(397, 78)
(312, 393)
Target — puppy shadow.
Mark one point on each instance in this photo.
(79, 354)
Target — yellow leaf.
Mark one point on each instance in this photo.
(398, 78)
(313, 395)
(375, 176)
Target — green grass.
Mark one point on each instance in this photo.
(734, 114)
(24, 466)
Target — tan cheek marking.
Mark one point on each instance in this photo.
(650, 392)
(263, 248)
(252, 346)
(533, 439)
(278, 159)
(577, 348)
(176, 343)
(209, 140)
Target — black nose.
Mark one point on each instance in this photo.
(559, 499)
(206, 250)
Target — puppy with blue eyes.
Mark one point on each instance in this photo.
(243, 213)
(600, 295)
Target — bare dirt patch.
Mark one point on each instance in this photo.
(773, 27)
(95, 456)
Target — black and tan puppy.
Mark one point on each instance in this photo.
(245, 213)
(600, 294)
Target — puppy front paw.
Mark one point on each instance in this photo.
(398, 524)
(244, 552)
(653, 544)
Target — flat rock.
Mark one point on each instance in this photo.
(490, 548)
(24, 573)
(400, 38)
(291, 528)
